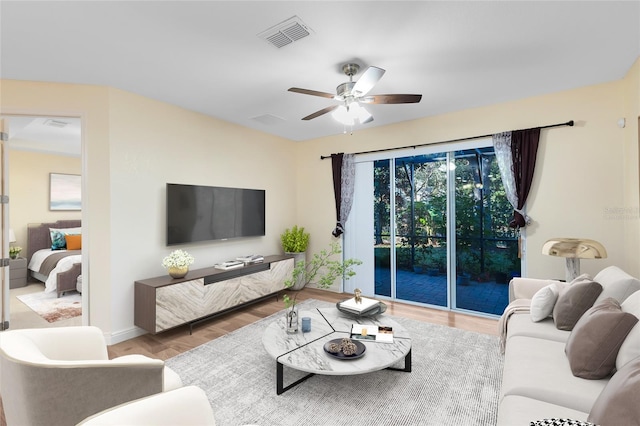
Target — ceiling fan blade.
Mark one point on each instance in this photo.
(312, 92)
(369, 79)
(321, 112)
(390, 99)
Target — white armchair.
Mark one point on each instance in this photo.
(60, 376)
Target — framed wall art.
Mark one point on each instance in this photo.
(65, 192)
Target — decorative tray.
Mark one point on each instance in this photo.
(360, 348)
(372, 313)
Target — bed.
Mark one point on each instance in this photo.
(57, 269)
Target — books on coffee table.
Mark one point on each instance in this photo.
(374, 333)
(364, 306)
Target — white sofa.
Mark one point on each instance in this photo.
(538, 382)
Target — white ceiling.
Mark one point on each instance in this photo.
(206, 56)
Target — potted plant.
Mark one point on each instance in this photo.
(323, 269)
(14, 252)
(177, 263)
(295, 242)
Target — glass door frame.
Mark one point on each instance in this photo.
(350, 235)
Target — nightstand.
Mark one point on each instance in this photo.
(17, 272)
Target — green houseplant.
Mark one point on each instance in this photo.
(323, 269)
(295, 240)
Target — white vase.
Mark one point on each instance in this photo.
(297, 258)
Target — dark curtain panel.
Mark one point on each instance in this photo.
(336, 165)
(524, 148)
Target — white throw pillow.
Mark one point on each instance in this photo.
(544, 300)
(630, 348)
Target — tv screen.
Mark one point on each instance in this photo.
(204, 213)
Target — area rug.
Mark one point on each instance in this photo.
(53, 308)
(455, 380)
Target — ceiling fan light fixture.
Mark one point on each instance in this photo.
(342, 115)
(349, 116)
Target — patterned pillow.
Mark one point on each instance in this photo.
(560, 422)
(58, 242)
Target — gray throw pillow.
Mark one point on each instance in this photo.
(573, 301)
(594, 343)
(617, 404)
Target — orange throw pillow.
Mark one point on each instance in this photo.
(74, 242)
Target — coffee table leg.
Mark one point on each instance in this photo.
(407, 364)
(280, 388)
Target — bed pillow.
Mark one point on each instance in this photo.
(593, 345)
(57, 237)
(573, 301)
(617, 404)
(544, 300)
(74, 242)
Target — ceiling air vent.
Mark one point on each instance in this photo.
(55, 123)
(293, 29)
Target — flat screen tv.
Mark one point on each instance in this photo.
(203, 213)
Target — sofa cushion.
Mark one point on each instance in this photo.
(539, 369)
(618, 402)
(573, 301)
(515, 410)
(544, 300)
(616, 283)
(521, 325)
(630, 348)
(594, 343)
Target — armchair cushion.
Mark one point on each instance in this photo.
(185, 406)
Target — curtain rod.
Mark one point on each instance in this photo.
(568, 123)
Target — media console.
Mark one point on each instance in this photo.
(162, 303)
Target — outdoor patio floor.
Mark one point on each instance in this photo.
(487, 297)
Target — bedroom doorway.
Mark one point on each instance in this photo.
(38, 149)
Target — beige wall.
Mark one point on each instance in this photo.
(134, 145)
(29, 190)
(583, 171)
(631, 212)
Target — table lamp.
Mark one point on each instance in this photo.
(574, 249)
(12, 236)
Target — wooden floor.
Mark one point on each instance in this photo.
(173, 342)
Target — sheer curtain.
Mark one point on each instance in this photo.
(343, 187)
(516, 155)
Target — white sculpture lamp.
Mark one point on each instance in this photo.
(574, 249)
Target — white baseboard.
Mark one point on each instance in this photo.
(124, 335)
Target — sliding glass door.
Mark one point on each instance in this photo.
(440, 229)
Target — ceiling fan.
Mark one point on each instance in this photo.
(353, 93)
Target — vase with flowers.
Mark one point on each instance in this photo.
(177, 263)
(14, 252)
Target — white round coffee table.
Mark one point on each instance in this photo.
(305, 351)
